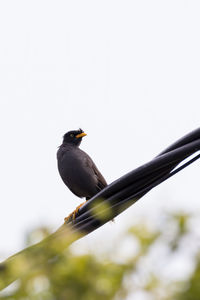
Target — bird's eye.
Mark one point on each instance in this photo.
(72, 135)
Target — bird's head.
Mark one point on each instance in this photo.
(74, 137)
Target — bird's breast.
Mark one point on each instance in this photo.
(75, 173)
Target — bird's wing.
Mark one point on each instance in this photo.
(101, 182)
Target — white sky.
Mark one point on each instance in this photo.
(127, 72)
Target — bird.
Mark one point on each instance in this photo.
(77, 169)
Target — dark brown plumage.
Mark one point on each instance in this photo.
(77, 169)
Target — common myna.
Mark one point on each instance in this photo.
(77, 169)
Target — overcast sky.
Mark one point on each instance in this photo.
(127, 72)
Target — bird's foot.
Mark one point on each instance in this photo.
(72, 216)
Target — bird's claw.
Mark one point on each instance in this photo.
(72, 216)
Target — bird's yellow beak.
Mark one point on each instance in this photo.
(80, 135)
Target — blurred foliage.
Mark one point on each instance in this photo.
(141, 265)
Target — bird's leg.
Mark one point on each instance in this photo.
(77, 209)
(72, 216)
